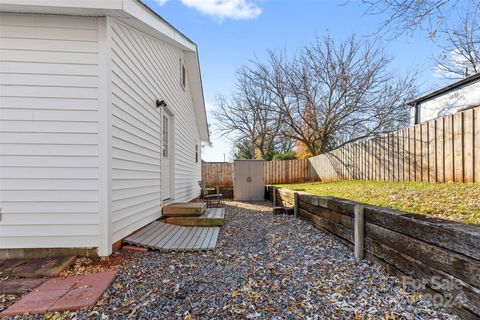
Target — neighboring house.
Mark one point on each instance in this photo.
(458, 96)
(101, 120)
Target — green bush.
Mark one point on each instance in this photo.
(285, 156)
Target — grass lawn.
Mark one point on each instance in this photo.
(453, 201)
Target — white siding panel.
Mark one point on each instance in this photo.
(145, 69)
(49, 131)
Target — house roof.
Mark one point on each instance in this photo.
(138, 15)
(442, 91)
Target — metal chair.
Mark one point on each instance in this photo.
(215, 199)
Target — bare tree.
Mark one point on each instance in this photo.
(452, 24)
(403, 16)
(460, 56)
(330, 95)
(245, 118)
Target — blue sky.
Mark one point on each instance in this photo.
(229, 36)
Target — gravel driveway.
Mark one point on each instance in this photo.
(265, 267)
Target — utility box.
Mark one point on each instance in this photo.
(248, 182)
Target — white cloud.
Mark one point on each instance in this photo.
(210, 107)
(223, 9)
(456, 61)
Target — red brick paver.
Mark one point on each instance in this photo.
(85, 293)
(62, 294)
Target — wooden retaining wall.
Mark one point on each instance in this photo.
(445, 149)
(417, 246)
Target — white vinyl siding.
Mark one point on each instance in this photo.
(145, 69)
(49, 131)
(136, 134)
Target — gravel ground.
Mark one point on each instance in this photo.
(264, 267)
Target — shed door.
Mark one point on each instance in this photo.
(248, 180)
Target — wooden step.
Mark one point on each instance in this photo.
(212, 217)
(188, 209)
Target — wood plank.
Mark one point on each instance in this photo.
(453, 236)
(173, 241)
(432, 151)
(207, 239)
(193, 241)
(200, 239)
(410, 266)
(418, 152)
(425, 152)
(161, 235)
(339, 230)
(411, 154)
(468, 146)
(458, 145)
(184, 209)
(152, 239)
(182, 245)
(211, 217)
(146, 235)
(448, 151)
(440, 149)
(455, 264)
(152, 234)
(169, 233)
(213, 240)
(476, 144)
(134, 237)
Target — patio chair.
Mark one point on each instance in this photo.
(215, 199)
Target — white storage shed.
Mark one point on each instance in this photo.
(102, 118)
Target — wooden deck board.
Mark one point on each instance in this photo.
(213, 240)
(142, 232)
(201, 238)
(154, 229)
(211, 217)
(161, 235)
(165, 237)
(171, 244)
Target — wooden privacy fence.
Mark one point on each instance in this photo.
(288, 171)
(284, 171)
(217, 173)
(446, 149)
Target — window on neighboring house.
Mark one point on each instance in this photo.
(196, 153)
(183, 75)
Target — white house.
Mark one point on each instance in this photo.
(101, 120)
(461, 95)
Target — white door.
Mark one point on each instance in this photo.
(166, 157)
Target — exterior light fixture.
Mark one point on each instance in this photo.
(161, 103)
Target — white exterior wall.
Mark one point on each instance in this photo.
(49, 131)
(145, 69)
(449, 103)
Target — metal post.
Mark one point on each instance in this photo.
(296, 199)
(359, 231)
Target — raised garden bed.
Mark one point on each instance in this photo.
(451, 201)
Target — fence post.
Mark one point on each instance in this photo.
(274, 196)
(359, 231)
(295, 204)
